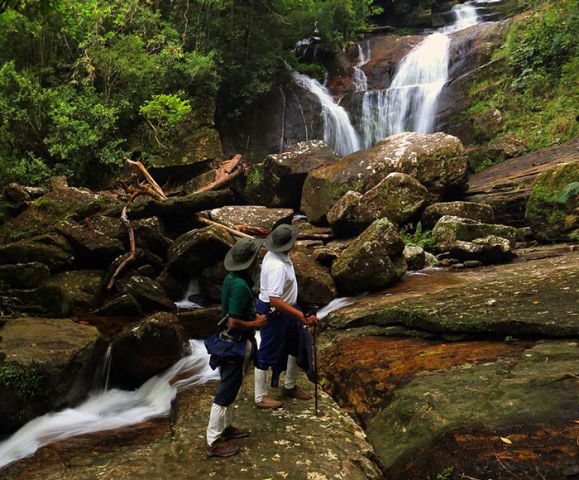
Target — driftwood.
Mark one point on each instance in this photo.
(154, 185)
(225, 227)
(251, 230)
(131, 256)
(228, 171)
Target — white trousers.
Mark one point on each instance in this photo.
(291, 376)
(219, 419)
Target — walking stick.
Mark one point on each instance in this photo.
(316, 369)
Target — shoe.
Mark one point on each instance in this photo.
(267, 402)
(232, 432)
(297, 392)
(221, 448)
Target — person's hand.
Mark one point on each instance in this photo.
(311, 320)
(260, 320)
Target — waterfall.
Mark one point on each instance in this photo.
(192, 290)
(358, 75)
(338, 130)
(111, 409)
(103, 373)
(411, 101)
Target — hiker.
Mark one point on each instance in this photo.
(287, 324)
(233, 346)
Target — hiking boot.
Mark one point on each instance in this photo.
(232, 432)
(297, 392)
(267, 402)
(221, 448)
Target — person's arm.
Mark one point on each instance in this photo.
(287, 309)
(237, 324)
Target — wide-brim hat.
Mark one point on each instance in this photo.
(282, 238)
(242, 254)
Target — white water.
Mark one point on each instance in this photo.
(192, 289)
(334, 305)
(111, 409)
(102, 376)
(338, 130)
(358, 75)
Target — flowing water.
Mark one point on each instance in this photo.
(358, 75)
(192, 290)
(103, 373)
(111, 409)
(338, 130)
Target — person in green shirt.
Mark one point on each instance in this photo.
(233, 344)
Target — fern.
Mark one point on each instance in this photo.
(569, 192)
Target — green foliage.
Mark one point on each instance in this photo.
(25, 382)
(419, 237)
(568, 193)
(446, 474)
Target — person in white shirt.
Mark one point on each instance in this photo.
(278, 299)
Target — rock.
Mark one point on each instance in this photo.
(449, 229)
(437, 161)
(475, 211)
(122, 306)
(197, 249)
(430, 260)
(253, 215)
(325, 256)
(316, 286)
(148, 293)
(71, 292)
(372, 261)
(210, 282)
(200, 322)
(398, 197)
(58, 182)
(91, 246)
(147, 348)
(16, 193)
(505, 147)
(507, 186)
(52, 250)
(23, 275)
(472, 264)
(415, 257)
(552, 210)
(45, 364)
(489, 123)
(491, 249)
(278, 181)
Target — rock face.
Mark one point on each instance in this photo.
(553, 207)
(92, 246)
(398, 197)
(52, 250)
(146, 349)
(449, 229)
(437, 161)
(44, 364)
(148, 293)
(315, 284)
(374, 260)
(253, 215)
(475, 211)
(278, 181)
(198, 249)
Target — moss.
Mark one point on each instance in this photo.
(25, 382)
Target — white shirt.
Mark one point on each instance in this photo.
(278, 278)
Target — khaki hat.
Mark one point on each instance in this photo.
(242, 254)
(282, 238)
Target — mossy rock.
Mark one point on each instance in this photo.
(23, 275)
(450, 229)
(52, 250)
(552, 209)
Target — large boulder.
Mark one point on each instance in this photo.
(92, 247)
(398, 197)
(52, 250)
(491, 249)
(415, 257)
(197, 249)
(374, 260)
(146, 349)
(23, 275)
(316, 286)
(552, 209)
(278, 181)
(45, 364)
(253, 215)
(475, 211)
(148, 293)
(437, 161)
(449, 229)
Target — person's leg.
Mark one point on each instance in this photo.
(290, 387)
(291, 373)
(270, 349)
(261, 390)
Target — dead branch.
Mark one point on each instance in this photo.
(138, 165)
(228, 171)
(251, 230)
(229, 229)
(131, 256)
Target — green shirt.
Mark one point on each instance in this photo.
(237, 298)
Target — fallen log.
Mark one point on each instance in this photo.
(228, 171)
(131, 256)
(229, 229)
(141, 168)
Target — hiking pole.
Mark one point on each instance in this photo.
(316, 369)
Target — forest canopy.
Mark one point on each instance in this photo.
(81, 82)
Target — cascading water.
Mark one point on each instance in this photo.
(359, 77)
(192, 290)
(465, 16)
(103, 373)
(338, 130)
(111, 409)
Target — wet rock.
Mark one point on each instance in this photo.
(450, 229)
(316, 286)
(197, 249)
(210, 282)
(45, 364)
(507, 186)
(147, 348)
(374, 260)
(71, 292)
(148, 293)
(91, 246)
(552, 210)
(415, 257)
(23, 275)
(200, 322)
(253, 215)
(325, 256)
(437, 161)
(278, 181)
(430, 260)
(122, 306)
(475, 211)
(472, 263)
(398, 197)
(52, 250)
